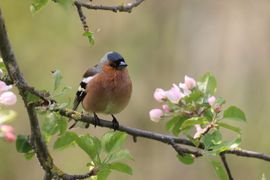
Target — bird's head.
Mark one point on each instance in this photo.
(114, 60)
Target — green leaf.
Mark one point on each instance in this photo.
(230, 127)
(219, 169)
(65, 3)
(50, 126)
(57, 79)
(121, 167)
(220, 101)
(233, 112)
(175, 124)
(194, 96)
(103, 173)
(37, 5)
(3, 66)
(210, 140)
(31, 98)
(7, 115)
(228, 145)
(91, 146)
(189, 123)
(29, 155)
(208, 84)
(90, 36)
(22, 144)
(112, 141)
(186, 158)
(119, 155)
(65, 140)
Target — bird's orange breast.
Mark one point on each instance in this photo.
(108, 92)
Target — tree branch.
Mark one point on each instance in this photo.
(226, 165)
(119, 8)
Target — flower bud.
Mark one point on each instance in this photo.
(4, 87)
(156, 114)
(166, 108)
(211, 100)
(8, 98)
(159, 95)
(10, 137)
(190, 82)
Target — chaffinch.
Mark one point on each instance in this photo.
(105, 88)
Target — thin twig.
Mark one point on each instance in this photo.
(226, 165)
(118, 8)
(82, 16)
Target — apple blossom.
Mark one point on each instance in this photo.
(156, 114)
(190, 82)
(211, 100)
(174, 94)
(166, 108)
(4, 87)
(159, 95)
(8, 98)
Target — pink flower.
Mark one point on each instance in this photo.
(6, 128)
(10, 137)
(190, 82)
(8, 133)
(156, 114)
(159, 95)
(185, 89)
(174, 94)
(217, 108)
(198, 131)
(166, 108)
(211, 100)
(4, 87)
(8, 98)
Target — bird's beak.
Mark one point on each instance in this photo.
(122, 65)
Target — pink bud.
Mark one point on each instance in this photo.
(6, 128)
(8, 98)
(10, 137)
(211, 100)
(190, 82)
(156, 114)
(217, 108)
(4, 87)
(159, 95)
(174, 94)
(199, 131)
(166, 108)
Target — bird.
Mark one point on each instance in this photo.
(105, 88)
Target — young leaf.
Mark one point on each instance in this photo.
(50, 126)
(90, 36)
(113, 140)
(219, 169)
(208, 84)
(121, 167)
(91, 146)
(210, 140)
(230, 127)
(233, 112)
(66, 139)
(186, 158)
(175, 124)
(119, 155)
(57, 79)
(29, 155)
(37, 5)
(103, 173)
(22, 144)
(189, 123)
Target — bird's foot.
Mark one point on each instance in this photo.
(96, 120)
(115, 124)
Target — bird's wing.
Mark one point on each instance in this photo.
(81, 92)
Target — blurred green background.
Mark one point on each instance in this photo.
(161, 41)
